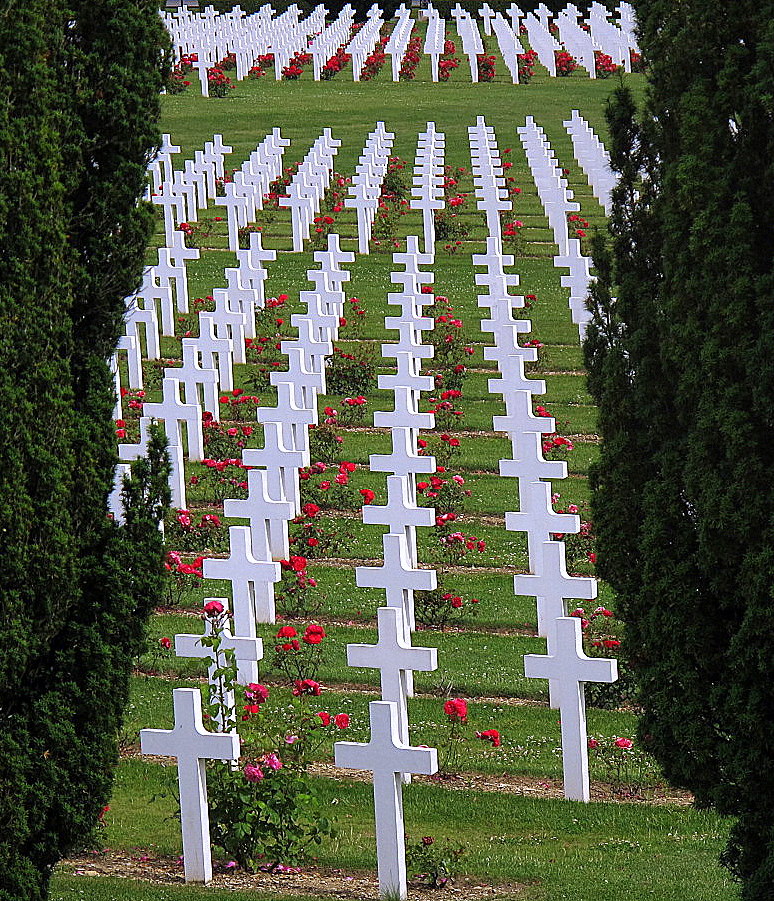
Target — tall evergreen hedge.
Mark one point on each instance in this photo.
(79, 84)
(682, 365)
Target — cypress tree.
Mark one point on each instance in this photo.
(80, 88)
(684, 490)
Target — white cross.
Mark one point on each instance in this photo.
(137, 314)
(407, 375)
(243, 648)
(115, 499)
(177, 468)
(401, 513)
(213, 348)
(537, 517)
(307, 382)
(229, 323)
(243, 571)
(403, 459)
(191, 375)
(519, 417)
(151, 290)
(243, 298)
(293, 419)
(134, 359)
(173, 413)
(251, 265)
(398, 577)
(315, 349)
(405, 415)
(235, 210)
(281, 463)
(396, 659)
(568, 668)
(178, 252)
(170, 201)
(528, 463)
(268, 518)
(550, 584)
(166, 271)
(387, 757)
(190, 742)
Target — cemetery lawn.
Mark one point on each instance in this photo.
(522, 837)
(543, 849)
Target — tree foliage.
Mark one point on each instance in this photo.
(80, 86)
(682, 365)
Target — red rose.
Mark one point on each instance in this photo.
(314, 634)
(456, 709)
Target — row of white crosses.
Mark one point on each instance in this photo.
(250, 567)
(182, 194)
(593, 158)
(207, 363)
(389, 754)
(488, 180)
(617, 42)
(557, 202)
(330, 39)
(470, 38)
(212, 37)
(395, 48)
(362, 44)
(244, 195)
(564, 665)
(366, 185)
(427, 191)
(577, 42)
(435, 39)
(542, 41)
(288, 40)
(305, 192)
(509, 43)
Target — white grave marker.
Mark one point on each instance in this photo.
(192, 744)
(568, 668)
(387, 757)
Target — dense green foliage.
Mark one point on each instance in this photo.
(681, 366)
(79, 84)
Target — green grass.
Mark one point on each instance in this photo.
(530, 734)
(557, 850)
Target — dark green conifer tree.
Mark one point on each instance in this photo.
(80, 88)
(684, 490)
